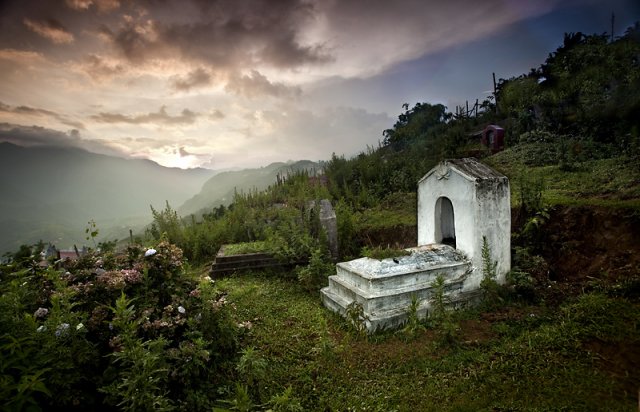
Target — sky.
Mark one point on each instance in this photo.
(243, 83)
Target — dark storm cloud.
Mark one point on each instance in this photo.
(32, 111)
(225, 34)
(101, 5)
(256, 84)
(51, 29)
(29, 136)
(159, 117)
(194, 79)
(99, 68)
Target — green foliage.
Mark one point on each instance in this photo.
(166, 224)
(142, 374)
(414, 122)
(92, 231)
(314, 276)
(23, 255)
(413, 326)
(380, 252)
(489, 286)
(357, 319)
(441, 316)
(585, 90)
(241, 400)
(530, 194)
(139, 335)
(346, 231)
(285, 402)
(21, 380)
(251, 366)
(523, 283)
(524, 357)
(246, 247)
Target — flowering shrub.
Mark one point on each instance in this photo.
(133, 331)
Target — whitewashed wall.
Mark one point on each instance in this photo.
(481, 208)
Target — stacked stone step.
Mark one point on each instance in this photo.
(386, 295)
(223, 265)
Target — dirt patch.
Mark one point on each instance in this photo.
(621, 361)
(585, 243)
(476, 331)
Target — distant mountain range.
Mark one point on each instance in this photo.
(219, 189)
(50, 193)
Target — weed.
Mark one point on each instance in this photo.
(241, 400)
(413, 326)
(441, 317)
(314, 275)
(285, 402)
(522, 283)
(379, 252)
(488, 284)
(357, 319)
(253, 369)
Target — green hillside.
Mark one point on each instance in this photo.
(220, 189)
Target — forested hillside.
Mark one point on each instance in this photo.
(220, 189)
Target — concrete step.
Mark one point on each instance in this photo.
(421, 278)
(398, 279)
(333, 301)
(393, 299)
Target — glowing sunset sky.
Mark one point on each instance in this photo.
(237, 83)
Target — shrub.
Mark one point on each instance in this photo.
(314, 276)
(412, 326)
(441, 317)
(357, 319)
(488, 284)
(141, 335)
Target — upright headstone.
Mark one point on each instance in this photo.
(329, 223)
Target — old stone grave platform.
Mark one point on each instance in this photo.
(385, 288)
(225, 264)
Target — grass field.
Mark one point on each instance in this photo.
(613, 182)
(580, 356)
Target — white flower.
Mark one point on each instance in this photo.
(149, 252)
(245, 325)
(41, 313)
(41, 328)
(61, 329)
(182, 310)
(80, 326)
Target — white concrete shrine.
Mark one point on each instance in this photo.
(459, 202)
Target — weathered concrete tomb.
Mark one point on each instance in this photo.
(460, 201)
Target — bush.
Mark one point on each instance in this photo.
(488, 284)
(314, 276)
(137, 334)
(440, 316)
